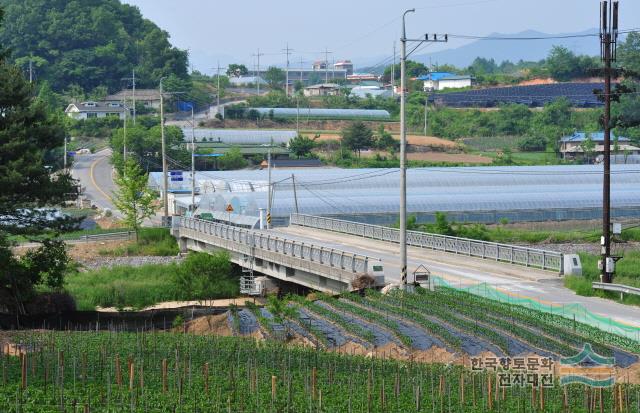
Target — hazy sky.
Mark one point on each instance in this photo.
(364, 31)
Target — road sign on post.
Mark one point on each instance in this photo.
(229, 208)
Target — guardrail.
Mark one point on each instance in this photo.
(546, 260)
(618, 288)
(327, 257)
(111, 236)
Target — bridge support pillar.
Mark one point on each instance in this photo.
(182, 243)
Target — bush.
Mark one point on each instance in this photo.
(206, 276)
(151, 241)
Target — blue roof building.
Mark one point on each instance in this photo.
(445, 80)
(571, 147)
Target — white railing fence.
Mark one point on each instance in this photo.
(529, 257)
(329, 257)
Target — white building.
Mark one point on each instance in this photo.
(345, 65)
(93, 110)
(443, 80)
(246, 81)
(323, 89)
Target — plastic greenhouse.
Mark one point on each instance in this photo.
(481, 194)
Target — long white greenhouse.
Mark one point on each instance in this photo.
(471, 194)
(304, 113)
(239, 137)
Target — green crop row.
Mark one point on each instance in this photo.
(435, 329)
(599, 338)
(167, 372)
(413, 302)
(352, 328)
(370, 316)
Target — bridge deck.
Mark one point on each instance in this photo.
(529, 282)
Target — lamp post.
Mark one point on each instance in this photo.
(165, 172)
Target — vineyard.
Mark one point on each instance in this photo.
(374, 353)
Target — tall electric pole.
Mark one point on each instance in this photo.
(218, 88)
(608, 39)
(133, 97)
(30, 70)
(288, 52)
(326, 65)
(193, 159)
(403, 138)
(124, 133)
(393, 72)
(258, 70)
(165, 172)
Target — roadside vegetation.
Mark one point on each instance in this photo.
(199, 277)
(150, 242)
(627, 273)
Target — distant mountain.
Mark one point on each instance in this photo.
(513, 50)
(499, 50)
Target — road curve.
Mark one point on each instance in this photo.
(95, 174)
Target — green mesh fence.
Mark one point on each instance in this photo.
(574, 311)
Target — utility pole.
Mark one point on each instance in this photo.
(426, 109)
(295, 193)
(301, 69)
(403, 139)
(124, 134)
(165, 172)
(65, 152)
(326, 65)
(218, 89)
(393, 72)
(133, 80)
(288, 52)
(193, 159)
(608, 39)
(30, 70)
(269, 194)
(134, 96)
(258, 70)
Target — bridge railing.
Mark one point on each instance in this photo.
(530, 257)
(328, 257)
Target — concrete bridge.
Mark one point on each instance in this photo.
(305, 263)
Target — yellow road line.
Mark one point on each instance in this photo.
(93, 180)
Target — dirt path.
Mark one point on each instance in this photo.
(221, 303)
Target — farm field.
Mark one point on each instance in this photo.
(397, 353)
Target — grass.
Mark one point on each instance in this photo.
(64, 236)
(627, 273)
(121, 287)
(201, 276)
(151, 242)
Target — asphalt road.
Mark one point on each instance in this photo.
(94, 171)
(542, 286)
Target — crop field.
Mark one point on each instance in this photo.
(375, 353)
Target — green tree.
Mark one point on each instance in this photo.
(232, 159)
(275, 77)
(237, 70)
(133, 197)
(301, 146)
(89, 42)
(384, 140)
(356, 137)
(206, 276)
(588, 146)
(629, 53)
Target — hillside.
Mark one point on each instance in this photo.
(88, 43)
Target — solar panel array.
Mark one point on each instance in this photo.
(579, 94)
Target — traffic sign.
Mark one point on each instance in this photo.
(177, 179)
(229, 208)
(269, 219)
(71, 153)
(175, 173)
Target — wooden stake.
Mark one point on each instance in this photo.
(441, 385)
(23, 364)
(462, 388)
(489, 389)
(131, 375)
(164, 375)
(565, 398)
(273, 388)
(541, 398)
(314, 378)
(118, 371)
(206, 377)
